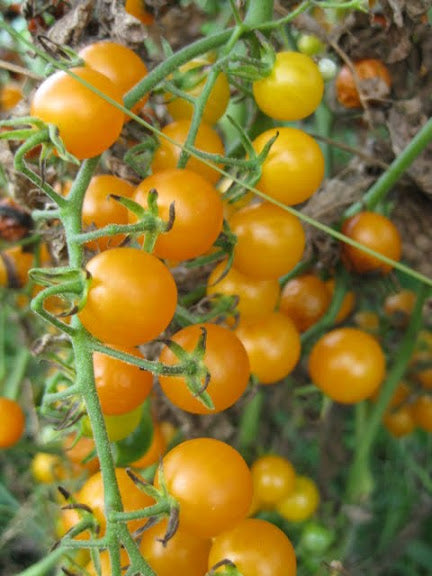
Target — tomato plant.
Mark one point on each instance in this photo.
(293, 169)
(87, 124)
(12, 422)
(273, 346)
(198, 212)
(293, 90)
(270, 241)
(273, 479)
(99, 209)
(118, 426)
(373, 231)
(226, 360)
(155, 451)
(422, 412)
(302, 502)
(347, 305)
(257, 548)
(126, 286)
(371, 70)
(347, 364)
(168, 153)
(212, 484)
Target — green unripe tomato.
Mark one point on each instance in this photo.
(310, 44)
(316, 538)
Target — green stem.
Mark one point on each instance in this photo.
(359, 481)
(13, 383)
(250, 422)
(323, 123)
(399, 165)
(44, 566)
(259, 11)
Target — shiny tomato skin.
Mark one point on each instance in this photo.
(366, 69)
(217, 103)
(12, 422)
(257, 548)
(257, 298)
(225, 358)
(168, 154)
(121, 387)
(348, 302)
(374, 231)
(118, 63)
(183, 553)
(304, 299)
(99, 209)
(270, 241)
(88, 125)
(273, 346)
(293, 90)
(128, 286)
(347, 364)
(400, 421)
(273, 478)
(302, 502)
(294, 167)
(198, 212)
(136, 8)
(212, 484)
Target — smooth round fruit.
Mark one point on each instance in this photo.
(212, 484)
(92, 494)
(370, 69)
(375, 232)
(78, 452)
(302, 502)
(305, 299)
(293, 169)
(422, 412)
(136, 8)
(347, 305)
(47, 468)
(273, 479)
(226, 360)
(293, 89)
(272, 344)
(270, 241)
(168, 154)
(10, 95)
(347, 364)
(257, 548)
(131, 299)
(183, 554)
(155, 451)
(400, 421)
(88, 124)
(198, 212)
(16, 265)
(119, 426)
(217, 103)
(99, 209)
(400, 305)
(121, 387)
(316, 538)
(118, 63)
(256, 298)
(12, 422)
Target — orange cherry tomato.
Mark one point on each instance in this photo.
(198, 212)
(207, 140)
(183, 553)
(121, 387)
(99, 209)
(136, 8)
(294, 167)
(257, 298)
(256, 547)
(367, 320)
(12, 422)
(270, 241)
(16, 264)
(217, 103)
(347, 364)
(273, 346)
(347, 305)
(375, 232)
(88, 124)
(273, 479)
(371, 70)
(226, 360)
(105, 563)
(422, 412)
(118, 63)
(305, 299)
(400, 305)
(212, 484)
(155, 451)
(77, 452)
(293, 89)
(302, 502)
(131, 299)
(400, 421)
(10, 95)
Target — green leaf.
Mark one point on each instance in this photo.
(136, 444)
